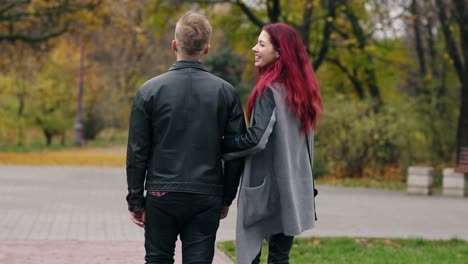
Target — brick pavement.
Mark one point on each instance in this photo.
(68, 215)
(79, 251)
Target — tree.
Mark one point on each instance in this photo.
(52, 97)
(228, 65)
(316, 22)
(38, 21)
(121, 53)
(19, 64)
(311, 15)
(431, 78)
(459, 17)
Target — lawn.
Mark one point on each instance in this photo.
(107, 150)
(363, 250)
(113, 157)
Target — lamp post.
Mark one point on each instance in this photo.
(79, 140)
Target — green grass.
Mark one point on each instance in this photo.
(107, 138)
(33, 147)
(363, 250)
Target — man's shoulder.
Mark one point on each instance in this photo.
(156, 80)
(210, 80)
(219, 82)
(152, 84)
(223, 83)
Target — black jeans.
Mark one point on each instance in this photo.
(279, 247)
(195, 217)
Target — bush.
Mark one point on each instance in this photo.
(93, 123)
(354, 138)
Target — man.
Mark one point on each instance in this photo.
(177, 122)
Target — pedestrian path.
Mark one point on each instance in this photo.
(79, 215)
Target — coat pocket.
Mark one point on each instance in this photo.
(257, 202)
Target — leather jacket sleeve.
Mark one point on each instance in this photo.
(138, 152)
(256, 138)
(233, 168)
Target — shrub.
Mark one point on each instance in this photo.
(353, 137)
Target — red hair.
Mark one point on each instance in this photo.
(294, 71)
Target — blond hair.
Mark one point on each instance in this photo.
(193, 33)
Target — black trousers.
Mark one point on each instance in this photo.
(193, 217)
(279, 247)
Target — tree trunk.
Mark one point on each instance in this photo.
(449, 38)
(438, 70)
(459, 6)
(462, 132)
(352, 76)
(327, 29)
(274, 10)
(369, 68)
(418, 41)
(48, 135)
(371, 80)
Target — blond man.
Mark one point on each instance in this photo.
(174, 151)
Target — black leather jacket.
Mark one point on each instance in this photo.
(177, 122)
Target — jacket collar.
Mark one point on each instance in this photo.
(187, 64)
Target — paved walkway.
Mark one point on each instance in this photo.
(78, 215)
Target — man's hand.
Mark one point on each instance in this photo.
(138, 217)
(224, 211)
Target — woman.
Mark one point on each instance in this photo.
(276, 197)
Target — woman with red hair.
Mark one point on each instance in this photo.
(276, 197)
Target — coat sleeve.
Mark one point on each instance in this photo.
(138, 152)
(256, 138)
(233, 168)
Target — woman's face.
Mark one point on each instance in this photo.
(264, 51)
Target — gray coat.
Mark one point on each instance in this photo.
(276, 193)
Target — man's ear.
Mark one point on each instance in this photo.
(174, 45)
(207, 49)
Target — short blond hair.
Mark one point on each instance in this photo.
(193, 33)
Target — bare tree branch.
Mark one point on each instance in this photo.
(21, 24)
(274, 10)
(449, 38)
(418, 43)
(252, 17)
(326, 34)
(304, 28)
(352, 76)
(29, 39)
(369, 69)
(12, 5)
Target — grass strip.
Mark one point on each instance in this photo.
(369, 250)
(65, 158)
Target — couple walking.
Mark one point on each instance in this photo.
(188, 146)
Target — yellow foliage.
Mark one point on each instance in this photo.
(87, 157)
(370, 48)
(341, 22)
